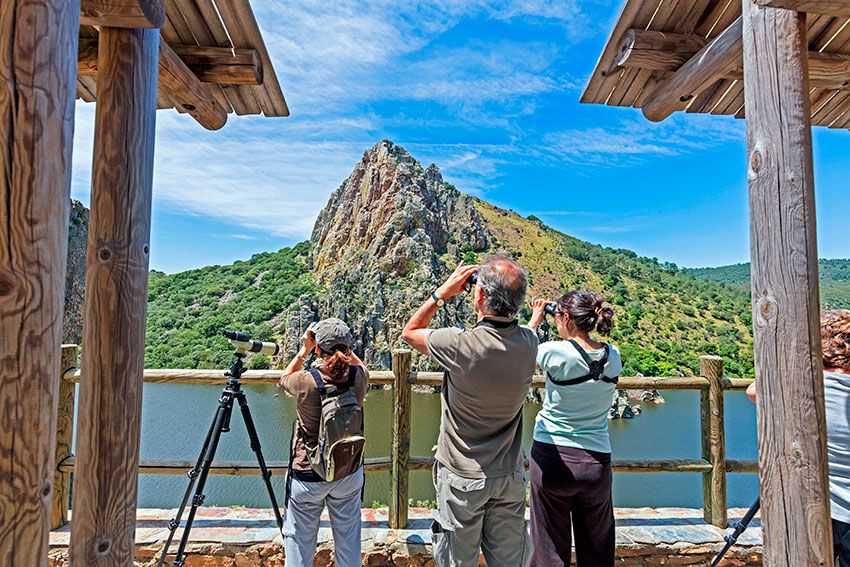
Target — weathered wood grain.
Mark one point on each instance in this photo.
(209, 64)
(64, 439)
(702, 70)
(658, 50)
(400, 440)
(828, 7)
(783, 243)
(669, 51)
(713, 442)
(187, 91)
(37, 87)
(417, 378)
(123, 13)
(105, 481)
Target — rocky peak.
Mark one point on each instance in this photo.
(386, 238)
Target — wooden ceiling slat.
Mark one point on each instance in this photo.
(654, 16)
(701, 101)
(240, 37)
(206, 21)
(600, 85)
(270, 96)
(732, 101)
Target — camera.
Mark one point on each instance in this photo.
(551, 309)
(471, 281)
(244, 343)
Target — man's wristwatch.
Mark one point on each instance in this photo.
(437, 299)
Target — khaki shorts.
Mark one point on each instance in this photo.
(480, 515)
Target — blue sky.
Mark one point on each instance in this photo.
(489, 92)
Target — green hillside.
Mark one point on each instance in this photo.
(187, 311)
(834, 280)
(665, 319)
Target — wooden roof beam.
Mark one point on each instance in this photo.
(123, 13)
(669, 51)
(187, 91)
(210, 64)
(717, 58)
(827, 7)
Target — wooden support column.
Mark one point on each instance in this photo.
(400, 456)
(713, 441)
(104, 505)
(828, 7)
(38, 52)
(789, 370)
(64, 437)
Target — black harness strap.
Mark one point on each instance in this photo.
(597, 368)
(332, 390)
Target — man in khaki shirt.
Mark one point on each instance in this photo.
(479, 475)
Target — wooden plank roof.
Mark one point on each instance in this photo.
(212, 23)
(634, 86)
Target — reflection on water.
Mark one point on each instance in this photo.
(177, 416)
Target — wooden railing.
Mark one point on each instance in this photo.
(713, 463)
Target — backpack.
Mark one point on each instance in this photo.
(597, 368)
(339, 451)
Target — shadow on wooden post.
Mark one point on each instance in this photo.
(713, 442)
(400, 448)
(64, 436)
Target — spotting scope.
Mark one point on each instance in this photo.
(244, 343)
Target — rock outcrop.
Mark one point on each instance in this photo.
(75, 279)
(385, 240)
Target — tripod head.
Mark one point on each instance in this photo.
(245, 344)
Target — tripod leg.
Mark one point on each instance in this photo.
(255, 446)
(193, 475)
(222, 416)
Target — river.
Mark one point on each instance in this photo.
(175, 418)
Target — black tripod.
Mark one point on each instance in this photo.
(221, 424)
(739, 527)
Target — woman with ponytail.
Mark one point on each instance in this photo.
(571, 456)
(338, 368)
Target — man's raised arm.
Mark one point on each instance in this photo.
(416, 331)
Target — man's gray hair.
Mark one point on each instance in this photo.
(504, 284)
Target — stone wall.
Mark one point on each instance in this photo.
(407, 555)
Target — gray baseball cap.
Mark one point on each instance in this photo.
(332, 332)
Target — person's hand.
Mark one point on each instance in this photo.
(538, 312)
(309, 339)
(454, 284)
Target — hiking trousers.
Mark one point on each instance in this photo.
(301, 523)
(571, 492)
(476, 515)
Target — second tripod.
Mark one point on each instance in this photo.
(221, 424)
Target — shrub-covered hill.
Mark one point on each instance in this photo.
(387, 237)
(834, 280)
(187, 311)
(665, 319)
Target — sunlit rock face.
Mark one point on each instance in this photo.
(385, 240)
(75, 279)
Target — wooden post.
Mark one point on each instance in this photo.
(38, 52)
(791, 422)
(713, 442)
(104, 511)
(64, 439)
(400, 439)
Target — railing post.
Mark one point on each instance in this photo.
(713, 441)
(400, 439)
(64, 437)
